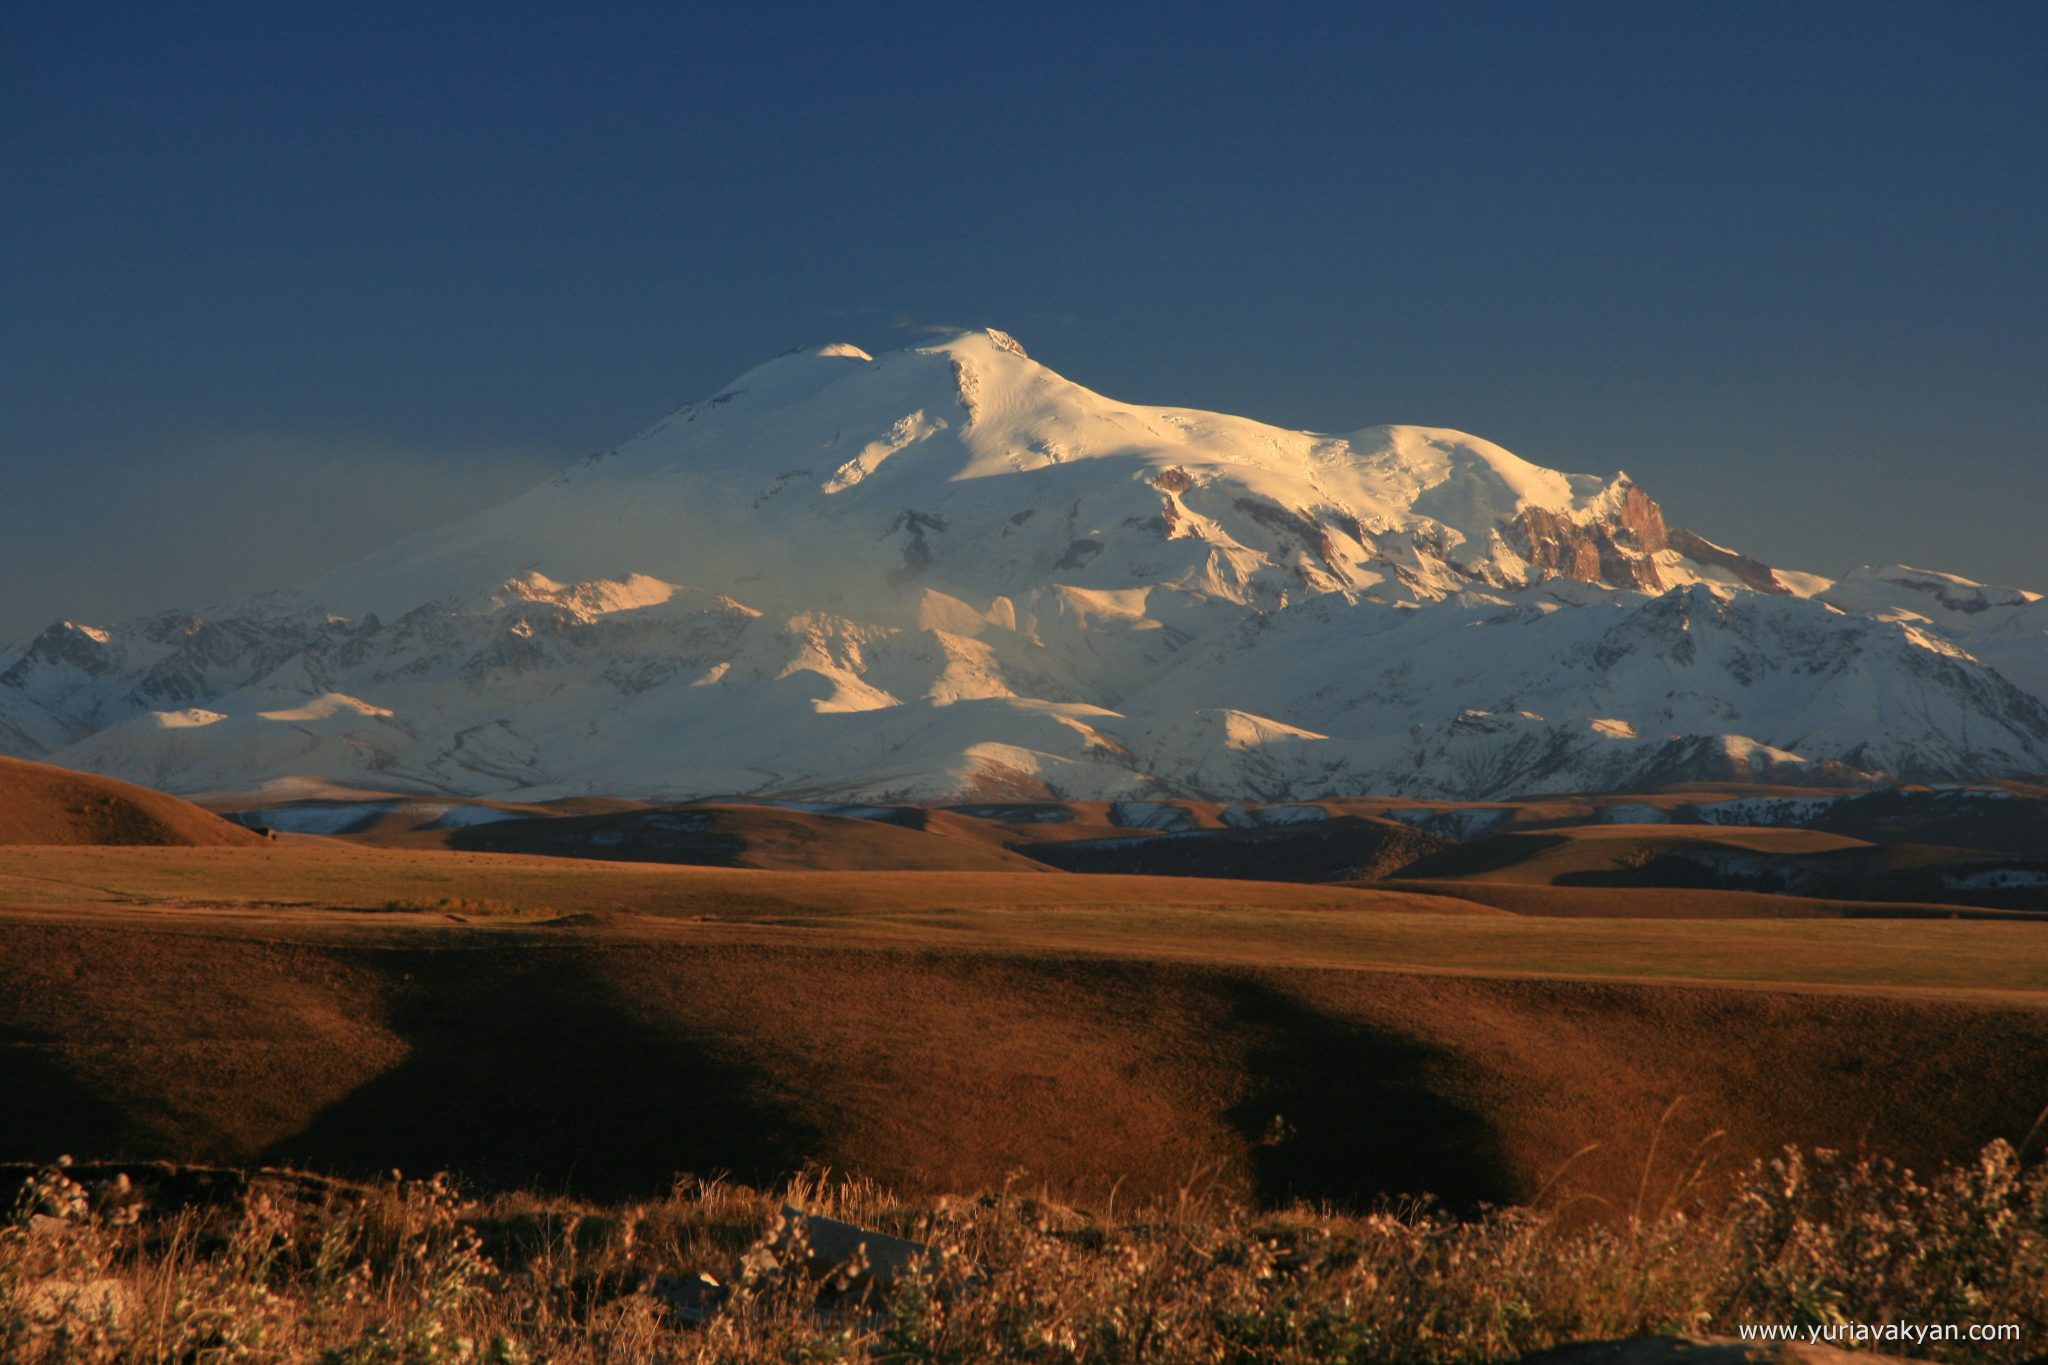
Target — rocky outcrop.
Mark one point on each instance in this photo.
(1753, 573)
(1288, 524)
(1615, 550)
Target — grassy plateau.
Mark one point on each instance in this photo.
(1509, 1099)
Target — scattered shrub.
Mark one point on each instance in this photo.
(466, 906)
(415, 1271)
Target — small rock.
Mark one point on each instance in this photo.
(691, 1298)
(863, 1257)
(45, 1303)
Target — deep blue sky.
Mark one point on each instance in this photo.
(278, 284)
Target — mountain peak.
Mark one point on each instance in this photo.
(1003, 341)
(791, 376)
(950, 567)
(967, 340)
(965, 467)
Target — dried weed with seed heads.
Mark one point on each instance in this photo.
(401, 1271)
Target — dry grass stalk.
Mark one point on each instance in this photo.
(415, 1271)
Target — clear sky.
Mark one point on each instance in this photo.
(281, 283)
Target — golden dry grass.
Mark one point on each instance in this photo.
(1548, 857)
(300, 873)
(605, 1026)
(1833, 874)
(1673, 902)
(40, 804)
(762, 837)
(281, 1267)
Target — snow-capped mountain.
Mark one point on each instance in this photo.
(950, 571)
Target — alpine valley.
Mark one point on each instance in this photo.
(948, 572)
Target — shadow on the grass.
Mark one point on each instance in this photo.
(525, 1071)
(1361, 1113)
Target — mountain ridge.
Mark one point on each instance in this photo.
(949, 571)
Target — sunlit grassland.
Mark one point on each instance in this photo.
(1264, 924)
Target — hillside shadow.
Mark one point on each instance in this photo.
(1483, 855)
(656, 836)
(524, 1070)
(49, 1112)
(1346, 848)
(1362, 1116)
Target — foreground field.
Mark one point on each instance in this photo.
(601, 1027)
(209, 1265)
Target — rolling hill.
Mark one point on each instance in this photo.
(40, 804)
(601, 1026)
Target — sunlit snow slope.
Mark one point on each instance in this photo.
(950, 571)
